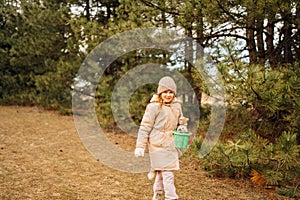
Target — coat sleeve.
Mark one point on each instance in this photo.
(146, 125)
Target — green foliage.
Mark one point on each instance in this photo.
(267, 100)
(289, 192)
(53, 89)
(139, 100)
(195, 147)
(278, 163)
(37, 36)
(140, 97)
(41, 57)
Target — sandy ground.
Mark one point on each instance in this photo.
(42, 157)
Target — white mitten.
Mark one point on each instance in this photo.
(151, 174)
(139, 152)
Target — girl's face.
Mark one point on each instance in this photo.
(167, 96)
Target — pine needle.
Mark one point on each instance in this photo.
(257, 178)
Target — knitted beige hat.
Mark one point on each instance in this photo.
(166, 83)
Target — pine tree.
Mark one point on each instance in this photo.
(39, 44)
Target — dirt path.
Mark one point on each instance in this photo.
(42, 157)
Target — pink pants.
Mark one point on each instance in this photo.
(164, 182)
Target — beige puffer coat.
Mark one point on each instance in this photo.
(156, 131)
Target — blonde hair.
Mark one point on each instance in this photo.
(160, 100)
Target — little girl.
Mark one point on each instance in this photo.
(160, 119)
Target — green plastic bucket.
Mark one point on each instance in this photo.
(181, 139)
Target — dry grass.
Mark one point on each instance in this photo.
(42, 157)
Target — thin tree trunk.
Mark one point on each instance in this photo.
(251, 45)
(287, 44)
(200, 40)
(270, 54)
(87, 9)
(297, 36)
(260, 41)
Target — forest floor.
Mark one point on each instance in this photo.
(42, 157)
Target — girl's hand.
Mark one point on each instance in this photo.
(139, 152)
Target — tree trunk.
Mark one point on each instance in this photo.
(270, 54)
(87, 9)
(297, 35)
(251, 45)
(287, 44)
(200, 40)
(260, 41)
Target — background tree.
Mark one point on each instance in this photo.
(269, 29)
(38, 41)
